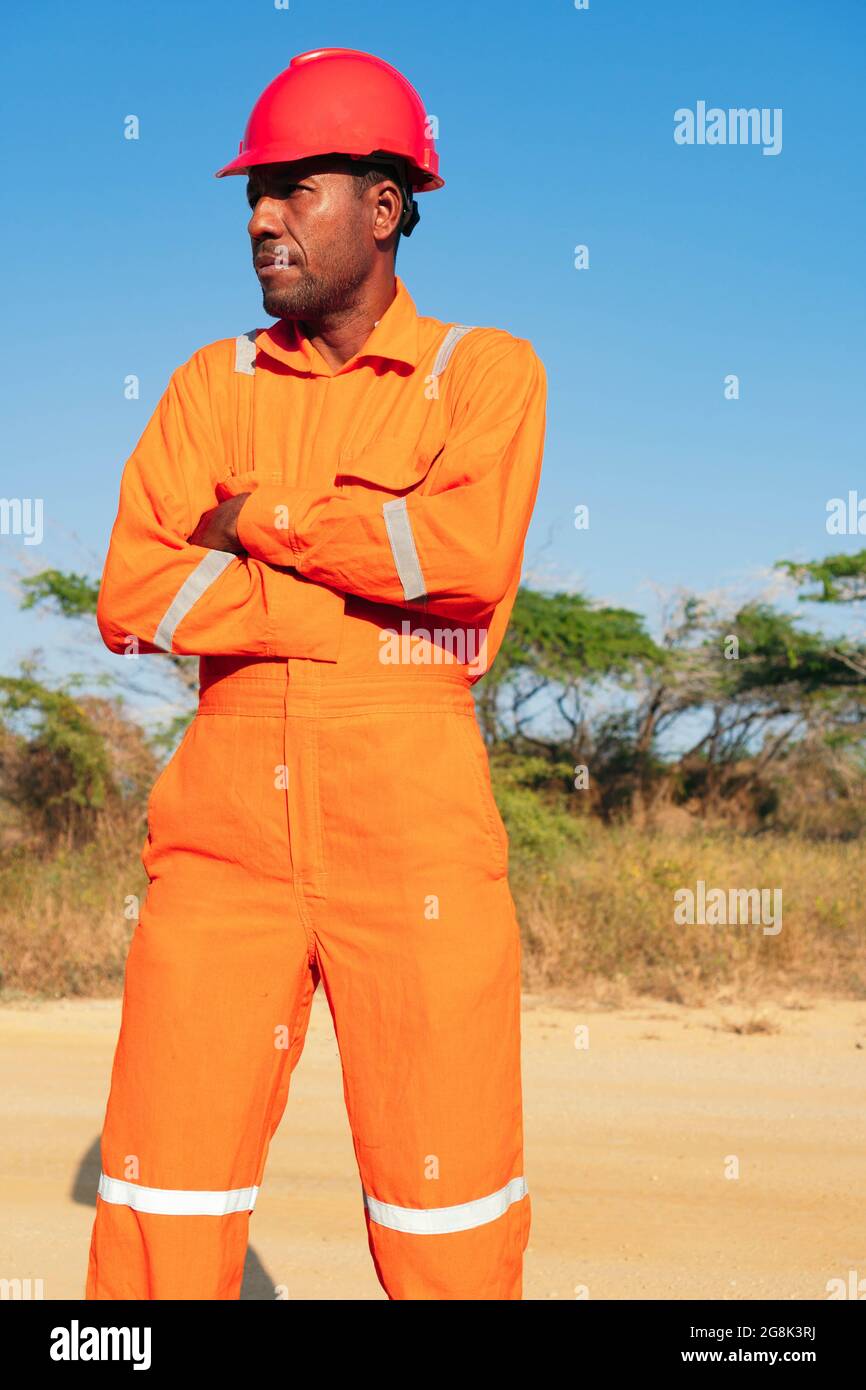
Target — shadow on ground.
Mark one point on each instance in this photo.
(257, 1286)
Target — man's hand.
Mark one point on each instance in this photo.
(217, 529)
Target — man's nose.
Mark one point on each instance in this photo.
(266, 219)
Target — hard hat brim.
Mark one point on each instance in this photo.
(421, 179)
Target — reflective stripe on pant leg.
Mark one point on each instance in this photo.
(166, 1201)
(437, 1221)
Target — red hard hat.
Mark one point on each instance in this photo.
(339, 101)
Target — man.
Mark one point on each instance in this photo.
(331, 513)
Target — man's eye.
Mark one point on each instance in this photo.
(284, 191)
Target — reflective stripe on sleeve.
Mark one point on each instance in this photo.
(196, 583)
(406, 561)
(441, 1221)
(396, 515)
(167, 1201)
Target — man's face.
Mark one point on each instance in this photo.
(312, 237)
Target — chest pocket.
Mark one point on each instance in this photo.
(394, 462)
(398, 461)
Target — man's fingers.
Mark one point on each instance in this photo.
(201, 526)
(217, 527)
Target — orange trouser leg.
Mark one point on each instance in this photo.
(379, 861)
(419, 952)
(216, 1002)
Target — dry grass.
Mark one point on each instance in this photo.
(63, 928)
(746, 1027)
(601, 917)
(597, 918)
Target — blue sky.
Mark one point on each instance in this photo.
(556, 129)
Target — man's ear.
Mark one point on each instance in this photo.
(401, 214)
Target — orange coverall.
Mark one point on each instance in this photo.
(328, 814)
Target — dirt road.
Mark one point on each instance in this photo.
(628, 1144)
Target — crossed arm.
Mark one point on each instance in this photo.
(265, 572)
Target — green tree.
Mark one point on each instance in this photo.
(557, 649)
(840, 578)
(74, 596)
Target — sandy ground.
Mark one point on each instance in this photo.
(627, 1144)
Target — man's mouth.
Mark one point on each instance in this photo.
(270, 265)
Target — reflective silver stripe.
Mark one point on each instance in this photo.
(397, 522)
(442, 1221)
(167, 1201)
(245, 353)
(449, 343)
(406, 561)
(190, 591)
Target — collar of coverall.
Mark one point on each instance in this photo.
(394, 339)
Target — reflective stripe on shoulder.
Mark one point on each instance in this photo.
(245, 353)
(403, 549)
(441, 1221)
(449, 343)
(197, 582)
(167, 1201)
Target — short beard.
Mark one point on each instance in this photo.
(312, 298)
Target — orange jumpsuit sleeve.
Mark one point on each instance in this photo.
(173, 596)
(456, 548)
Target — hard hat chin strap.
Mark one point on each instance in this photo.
(413, 219)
